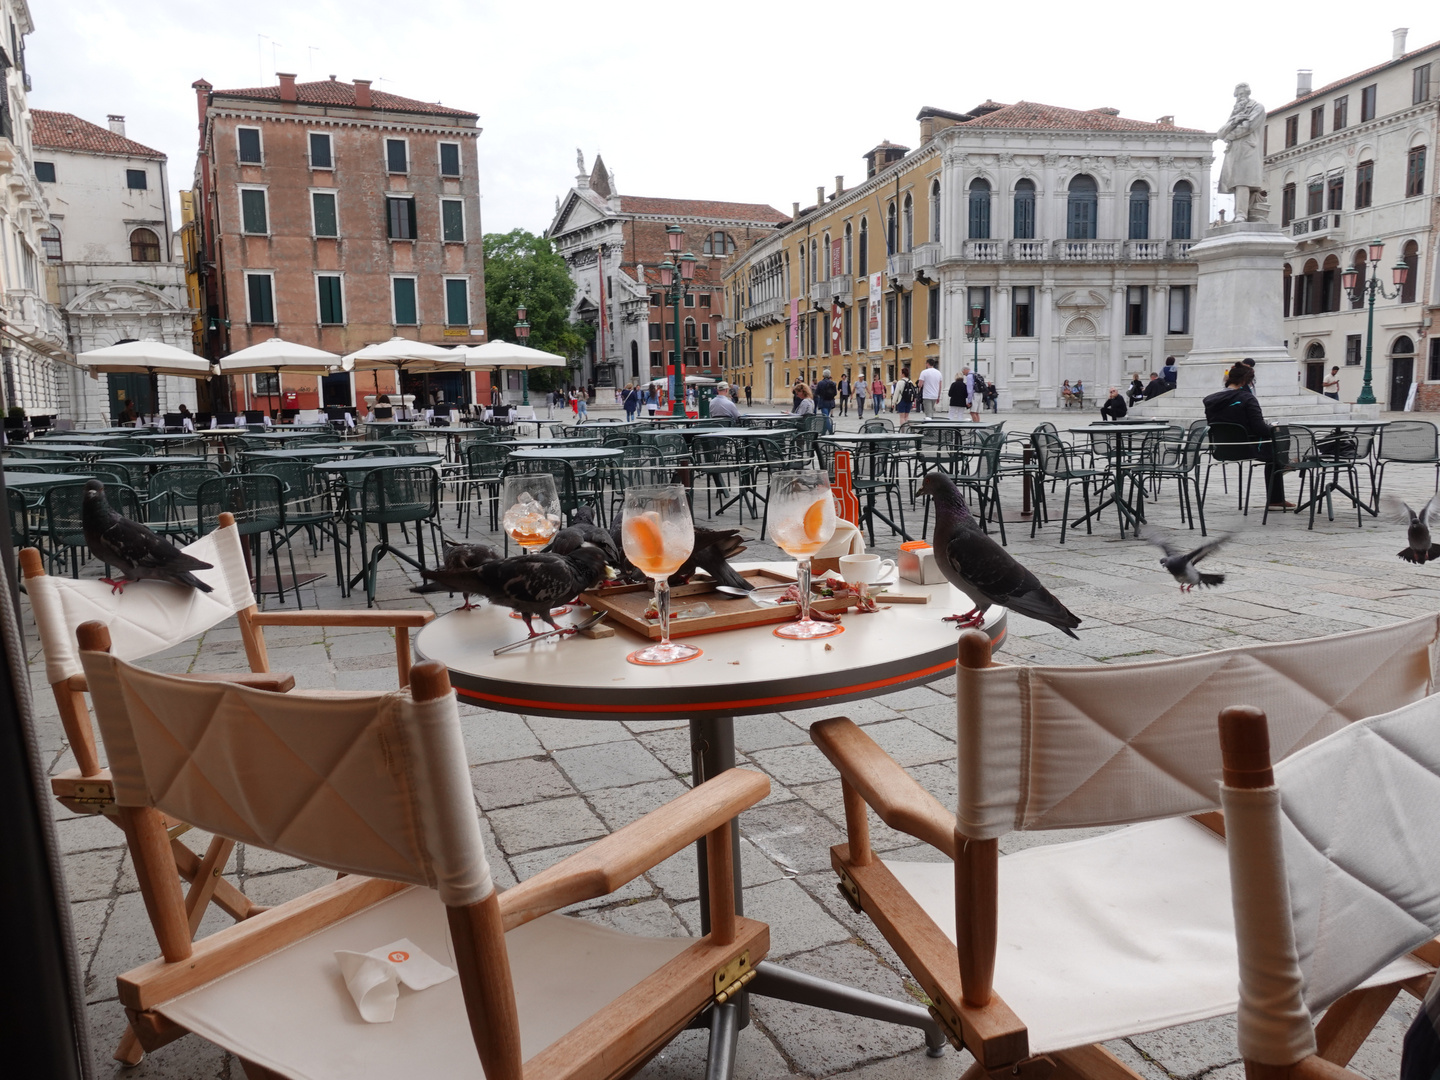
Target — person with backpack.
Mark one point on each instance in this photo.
(972, 392)
(904, 397)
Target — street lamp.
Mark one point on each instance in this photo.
(1355, 289)
(676, 287)
(978, 327)
(522, 335)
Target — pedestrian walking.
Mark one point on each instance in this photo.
(972, 392)
(860, 396)
(825, 394)
(877, 392)
(844, 393)
(652, 399)
(958, 398)
(804, 404)
(904, 397)
(930, 383)
(1332, 385)
(747, 395)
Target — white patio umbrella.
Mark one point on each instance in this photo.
(403, 355)
(277, 355)
(690, 380)
(513, 356)
(153, 358)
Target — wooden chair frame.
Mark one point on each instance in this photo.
(959, 977)
(87, 788)
(612, 1043)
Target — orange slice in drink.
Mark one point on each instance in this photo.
(643, 542)
(815, 520)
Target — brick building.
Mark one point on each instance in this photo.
(336, 215)
(613, 244)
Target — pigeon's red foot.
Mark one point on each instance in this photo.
(973, 617)
(115, 586)
(468, 606)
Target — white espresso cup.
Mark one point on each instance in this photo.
(865, 569)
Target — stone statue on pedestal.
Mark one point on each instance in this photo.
(1243, 169)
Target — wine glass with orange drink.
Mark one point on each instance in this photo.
(658, 535)
(532, 515)
(802, 521)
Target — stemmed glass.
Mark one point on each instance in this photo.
(658, 536)
(802, 516)
(532, 517)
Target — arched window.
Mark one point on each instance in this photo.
(691, 339)
(1305, 302)
(935, 210)
(1180, 210)
(1139, 210)
(1330, 284)
(814, 263)
(825, 259)
(50, 243)
(909, 224)
(1403, 347)
(804, 280)
(849, 255)
(144, 246)
(634, 359)
(1083, 205)
(864, 266)
(1316, 351)
(1286, 287)
(892, 231)
(1410, 256)
(979, 209)
(1359, 262)
(1025, 210)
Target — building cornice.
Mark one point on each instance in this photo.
(328, 119)
(1356, 133)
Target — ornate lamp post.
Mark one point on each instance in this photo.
(976, 329)
(522, 335)
(675, 286)
(1368, 288)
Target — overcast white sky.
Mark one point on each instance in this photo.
(777, 97)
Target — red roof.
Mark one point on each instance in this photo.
(703, 208)
(334, 92)
(64, 131)
(1353, 78)
(1034, 116)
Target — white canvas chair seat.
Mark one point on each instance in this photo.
(292, 1013)
(1110, 936)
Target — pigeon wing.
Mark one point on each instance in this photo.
(1208, 547)
(1154, 536)
(538, 581)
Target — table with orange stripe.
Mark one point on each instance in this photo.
(738, 673)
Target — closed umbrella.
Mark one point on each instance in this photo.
(512, 356)
(277, 355)
(153, 358)
(403, 355)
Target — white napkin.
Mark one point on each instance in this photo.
(373, 978)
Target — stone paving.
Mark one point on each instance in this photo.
(544, 787)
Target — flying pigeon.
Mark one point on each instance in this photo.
(1181, 564)
(1419, 549)
(451, 575)
(136, 551)
(981, 568)
(532, 584)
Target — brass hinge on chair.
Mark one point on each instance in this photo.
(92, 792)
(732, 977)
(177, 831)
(850, 891)
(948, 1021)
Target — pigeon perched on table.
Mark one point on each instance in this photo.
(531, 584)
(137, 552)
(713, 548)
(1181, 563)
(1419, 549)
(460, 560)
(585, 531)
(981, 568)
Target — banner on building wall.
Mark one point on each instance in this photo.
(837, 258)
(794, 329)
(836, 321)
(875, 301)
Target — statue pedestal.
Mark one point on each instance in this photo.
(1238, 313)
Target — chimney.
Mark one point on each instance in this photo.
(363, 99)
(819, 195)
(1399, 38)
(287, 86)
(794, 211)
(1303, 84)
(202, 101)
(117, 124)
(1167, 121)
(839, 186)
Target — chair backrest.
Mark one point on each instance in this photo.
(1231, 442)
(399, 493)
(1333, 866)
(63, 510)
(485, 458)
(1409, 440)
(256, 500)
(1110, 744)
(877, 424)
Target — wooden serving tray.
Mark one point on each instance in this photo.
(627, 603)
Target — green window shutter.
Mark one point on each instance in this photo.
(262, 300)
(325, 221)
(452, 213)
(457, 302)
(449, 159)
(414, 230)
(331, 307)
(405, 313)
(253, 216)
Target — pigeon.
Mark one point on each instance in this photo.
(981, 568)
(585, 531)
(713, 547)
(136, 551)
(531, 584)
(451, 577)
(1181, 564)
(1419, 549)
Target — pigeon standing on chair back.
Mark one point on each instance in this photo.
(981, 568)
(137, 551)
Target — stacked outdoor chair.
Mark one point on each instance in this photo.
(1036, 958)
(148, 618)
(539, 995)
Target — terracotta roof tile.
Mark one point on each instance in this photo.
(334, 92)
(1034, 116)
(705, 208)
(65, 131)
(1353, 78)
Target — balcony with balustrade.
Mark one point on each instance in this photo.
(1029, 250)
(927, 259)
(764, 312)
(985, 250)
(1314, 227)
(1145, 251)
(900, 269)
(1087, 250)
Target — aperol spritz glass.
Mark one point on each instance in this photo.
(658, 535)
(532, 516)
(802, 521)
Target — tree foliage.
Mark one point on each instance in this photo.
(522, 268)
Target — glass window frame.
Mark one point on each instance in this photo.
(1364, 185)
(1317, 122)
(977, 216)
(411, 221)
(1138, 205)
(1022, 299)
(1180, 293)
(48, 167)
(449, 207)
(1023, 223)
(142, 175)
(1137, 321)
(1415, 161)
(1369, 102)
(1340, 114)
(389, 143)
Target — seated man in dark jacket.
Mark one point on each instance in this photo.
(1238, 405)
(1157, 386)
(1114, 407)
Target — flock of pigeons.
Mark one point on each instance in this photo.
(578, 556)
